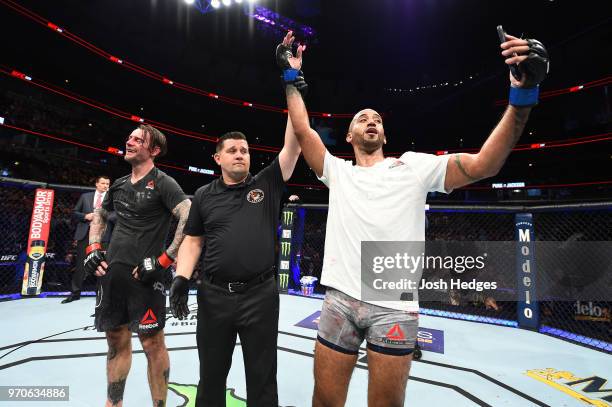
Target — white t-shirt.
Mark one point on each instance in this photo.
(384, 202)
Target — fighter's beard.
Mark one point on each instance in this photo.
(369, 147)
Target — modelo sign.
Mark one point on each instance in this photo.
(527, 306)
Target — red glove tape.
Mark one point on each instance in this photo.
(92, 247)
(165, 260)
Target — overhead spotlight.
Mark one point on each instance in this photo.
(252, 1)
(189, 1)
(215, 3)
(226, 2)
(238, 1)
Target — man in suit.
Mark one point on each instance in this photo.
(83, 214)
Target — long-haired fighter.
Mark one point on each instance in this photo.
(131, 294)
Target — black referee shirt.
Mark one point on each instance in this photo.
(239, 223)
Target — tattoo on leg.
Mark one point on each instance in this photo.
(115, 391)
(167, 375)
(112, 352)
(159, 403)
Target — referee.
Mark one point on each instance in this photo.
(238, 215)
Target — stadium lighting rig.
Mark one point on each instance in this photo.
(207, 6)
(267, 20)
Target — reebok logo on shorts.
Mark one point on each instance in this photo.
(396, 333)
(395, 336)
(148, 321)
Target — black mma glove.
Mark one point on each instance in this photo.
(536, 66)
(301, 84)
(153, 269)
(534, 70)
(179, 293)
(94, 257)
(290, 75)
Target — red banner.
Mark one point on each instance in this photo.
(37, 241)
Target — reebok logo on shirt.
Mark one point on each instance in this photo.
(396, 163)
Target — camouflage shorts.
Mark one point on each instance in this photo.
(345, 322)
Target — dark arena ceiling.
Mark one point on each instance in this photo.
(432, 67)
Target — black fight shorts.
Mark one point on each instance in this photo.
(123, 300)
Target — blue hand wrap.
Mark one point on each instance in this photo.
(289, 75)
(524, 97)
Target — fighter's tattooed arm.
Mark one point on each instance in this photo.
(457, 158)
(464, 169)
(181, 212)
(97, 227)
(115, 391)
